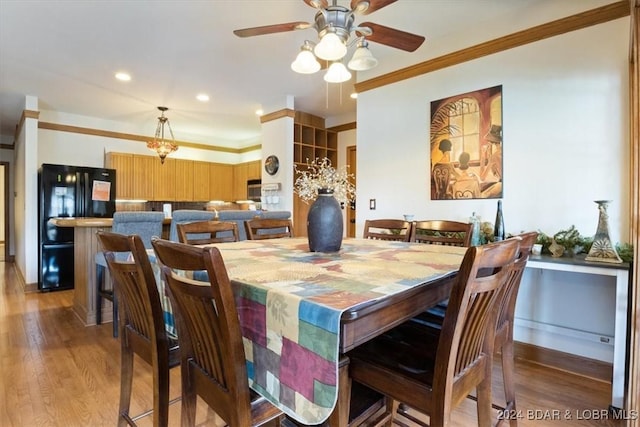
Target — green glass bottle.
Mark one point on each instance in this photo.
(498, 227)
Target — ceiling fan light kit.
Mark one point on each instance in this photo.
(335, 26)
(337, 73)
(306, 62)
(331, 47)
(362, 58)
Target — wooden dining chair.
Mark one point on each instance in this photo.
(442, 232)
(205, 232)
(261, 228)
(213, 357)
(433, 371)
(434, 317)
(387, 229)
(142, 328)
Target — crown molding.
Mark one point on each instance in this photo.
(140, 138)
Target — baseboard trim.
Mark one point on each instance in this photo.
(591, 368)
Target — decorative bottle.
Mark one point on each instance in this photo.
(498, 228)
(475, 233)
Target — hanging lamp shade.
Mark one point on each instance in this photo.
(337, 73)
(330, 48)
(306, 62)
(362, 58)
(161, 145)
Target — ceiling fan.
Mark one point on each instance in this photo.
(335, 25)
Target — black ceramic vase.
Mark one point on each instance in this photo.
(324, 223)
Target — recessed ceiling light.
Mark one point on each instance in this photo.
(259, 112)
(123, 77)
(202, 97)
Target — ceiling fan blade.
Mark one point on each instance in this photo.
(270, 29)
(392, 37)
(317, 4)
(360, 7)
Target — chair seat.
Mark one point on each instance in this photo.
(406, 349)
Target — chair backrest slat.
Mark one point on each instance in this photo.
(442, 232)
(387, 229)
(180, 216)
(261, 228)
(205, 232)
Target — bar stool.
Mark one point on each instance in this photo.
(146, 224)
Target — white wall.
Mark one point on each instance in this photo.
(565, 118)
(26, 197)
(566, 143)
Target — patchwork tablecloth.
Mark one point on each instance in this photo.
(290, 302)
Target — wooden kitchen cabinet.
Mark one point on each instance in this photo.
(123, 164)
(221, 182)
(140, 177)
(240, 174)
(164, 183)
(254, 170)
(202, 181)
(184, 180)
(142, 174)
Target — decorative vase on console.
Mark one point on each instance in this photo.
(328, 188)
(602, 249)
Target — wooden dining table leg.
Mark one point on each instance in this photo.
(340, 415)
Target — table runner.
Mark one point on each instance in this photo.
(290, 301)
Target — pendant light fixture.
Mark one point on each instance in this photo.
(162, 146)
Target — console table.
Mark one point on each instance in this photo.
(577, 264)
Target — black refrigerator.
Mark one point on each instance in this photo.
(68, 192)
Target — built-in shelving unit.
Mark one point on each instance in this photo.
(312, 140)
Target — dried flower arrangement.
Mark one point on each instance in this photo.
(320, 174)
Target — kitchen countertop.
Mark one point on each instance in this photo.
(88, 222)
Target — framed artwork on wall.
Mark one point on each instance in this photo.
(466, 146)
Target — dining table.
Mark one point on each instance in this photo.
(301, 312)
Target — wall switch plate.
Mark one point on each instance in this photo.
(372, 204)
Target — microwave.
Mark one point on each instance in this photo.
(254, 189)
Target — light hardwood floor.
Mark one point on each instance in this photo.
(56, 372)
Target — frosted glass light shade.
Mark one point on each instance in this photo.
(362, 59)
(330, 48)
(305, 63)
(337, 73)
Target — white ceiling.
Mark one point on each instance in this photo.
(67, 52)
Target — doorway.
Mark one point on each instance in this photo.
(351, 210)
(4, 211)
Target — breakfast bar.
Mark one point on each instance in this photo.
(84, 270)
